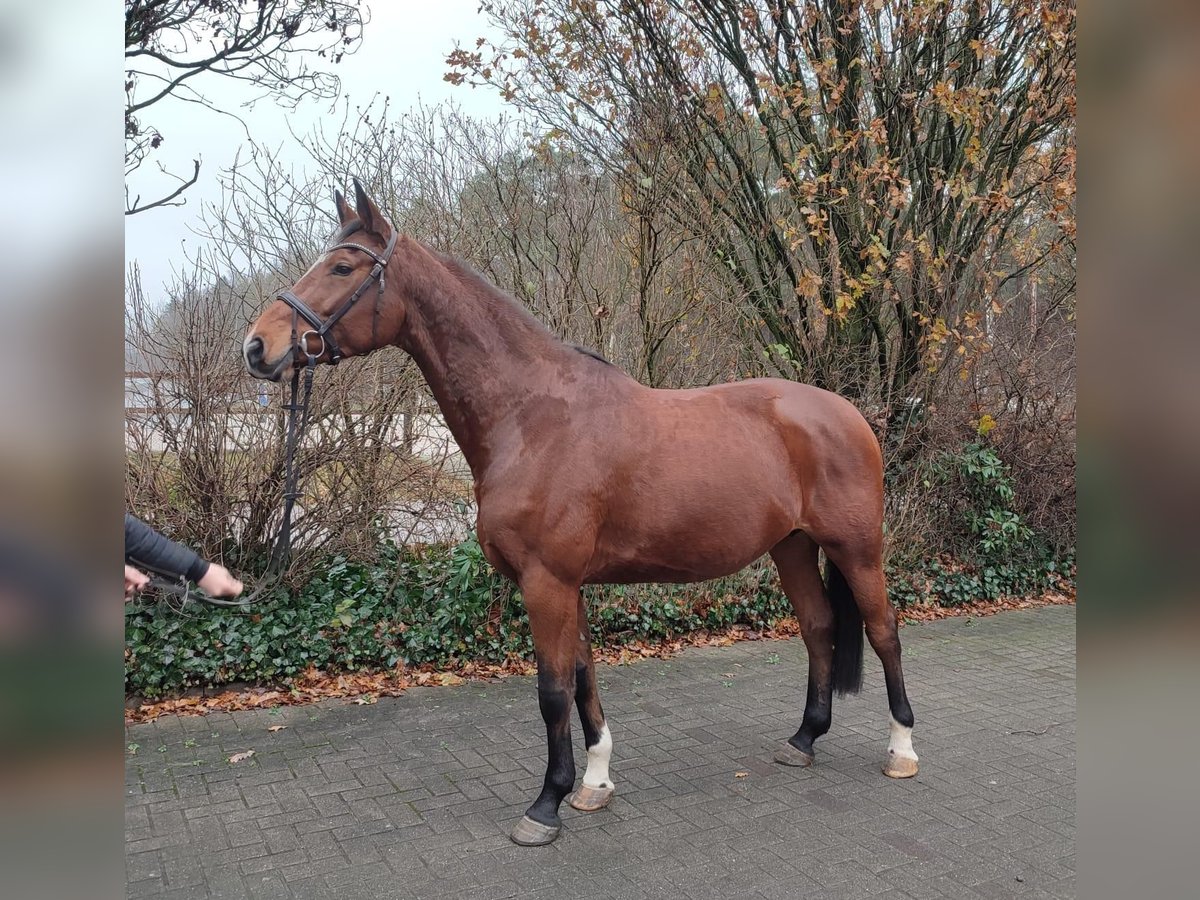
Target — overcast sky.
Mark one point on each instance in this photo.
(402, 55)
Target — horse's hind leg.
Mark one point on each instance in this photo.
(796, 558)
(597, 787)
(862, 567)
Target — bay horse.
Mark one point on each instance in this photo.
(583, 475)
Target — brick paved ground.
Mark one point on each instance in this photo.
(413, 797)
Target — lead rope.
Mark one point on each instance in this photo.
(281, 552)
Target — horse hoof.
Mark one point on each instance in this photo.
(900, 767)
(790, 756)
(590, 799)
(529, 833)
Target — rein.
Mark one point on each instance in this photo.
(281, 551)
(181, 589)
(321, 330)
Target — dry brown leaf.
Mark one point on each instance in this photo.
(274, 728)
(740, 774)
(365, 699)
(241, 757)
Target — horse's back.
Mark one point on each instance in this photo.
(798, 412)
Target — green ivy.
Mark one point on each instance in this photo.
(1001, 556)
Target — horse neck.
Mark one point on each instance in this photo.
(483, 357)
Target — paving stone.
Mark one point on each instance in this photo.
(414, 796)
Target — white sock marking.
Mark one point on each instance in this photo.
(598, 756)
(900, 741)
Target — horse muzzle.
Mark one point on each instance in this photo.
(254, 354)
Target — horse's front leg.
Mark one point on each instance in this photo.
(551, 604)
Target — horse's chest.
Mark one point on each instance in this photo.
(491, 551)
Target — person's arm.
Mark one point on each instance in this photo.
(147, 548)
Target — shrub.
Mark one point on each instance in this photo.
(438, 605)
(996, 552)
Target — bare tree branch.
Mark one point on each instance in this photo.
(263, 42)
(167, 200)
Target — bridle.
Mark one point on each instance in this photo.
(321, 329)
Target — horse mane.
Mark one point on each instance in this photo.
(345, 231)
(587, 351)
(504, 301)
(469, 275)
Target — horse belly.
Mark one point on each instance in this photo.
(683, 532)
(642, 570)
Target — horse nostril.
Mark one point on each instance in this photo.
(254, 351)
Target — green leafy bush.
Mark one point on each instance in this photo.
(997, 554)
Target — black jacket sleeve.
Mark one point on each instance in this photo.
(146, 548)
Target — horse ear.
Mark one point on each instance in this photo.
(345, 213)
(372, 218)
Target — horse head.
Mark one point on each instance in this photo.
(346, 304)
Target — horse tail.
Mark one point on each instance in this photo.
(847, 632)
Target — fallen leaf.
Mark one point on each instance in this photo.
(276, 727)
(740, 774)
(366, 699)
(240, 757)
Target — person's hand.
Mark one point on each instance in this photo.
(218, 582)
(134, 581)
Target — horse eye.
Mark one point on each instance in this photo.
(342, 269)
